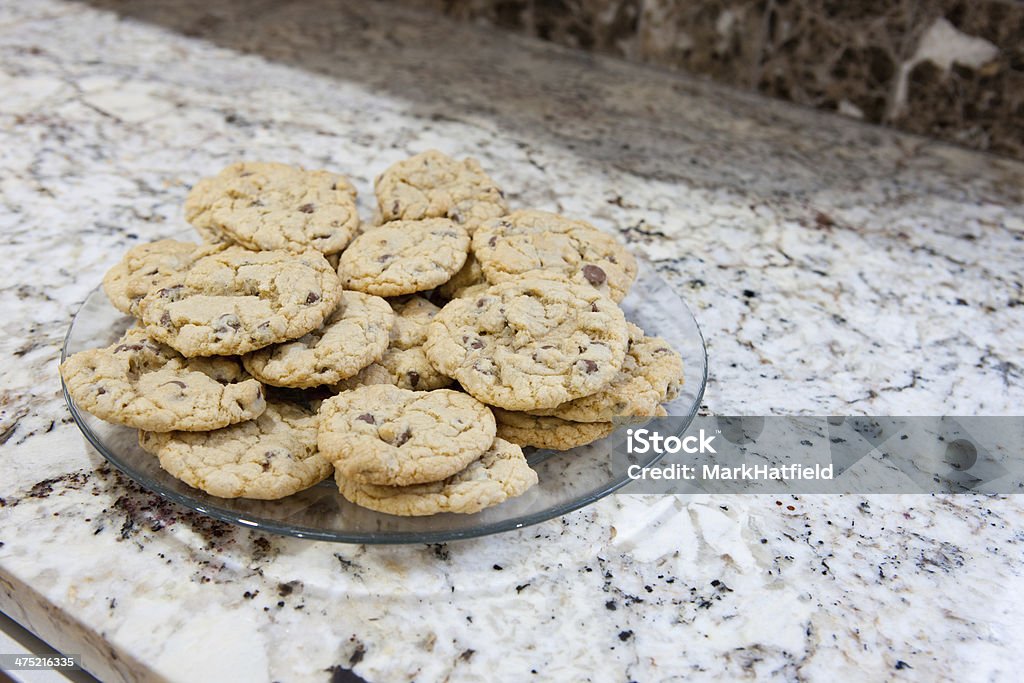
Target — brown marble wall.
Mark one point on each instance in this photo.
(952, 69)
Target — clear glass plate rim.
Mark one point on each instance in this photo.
(395, 538)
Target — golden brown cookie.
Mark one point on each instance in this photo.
(433, 185)
(355, 335)
(381, 434)
(528, 241)
(500, 473)
(235, 301)
(548, 432)
(145, 265)
(268, 458)
(270, 206)
(651, 374)
(404, 363)
(141, 383)
(403, 257)
(529, 345)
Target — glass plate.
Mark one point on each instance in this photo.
(568, 480)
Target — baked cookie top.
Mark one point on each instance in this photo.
(651, 374)
(141, 383)
(264, 205)
(145, 265)
(530, 344)
(270, 457)
(381, 434)
(404, 363)
(548, 432)
(527, 241)
(352, 337)
(500, 473)
(434, 185)
(235, 301)
(403, 257)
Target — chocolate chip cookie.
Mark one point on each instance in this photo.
(404, 363)
(355, 335)
(236, 301)
(268, 458)
(548, 432)
(145, 265)
(403, 257)
(141, 383)
(500, 473)
(651, 374)
(527, 241)
(433, 185)
(529, 345)
(381, 434)
(270, 206)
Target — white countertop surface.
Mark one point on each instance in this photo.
(833, 267)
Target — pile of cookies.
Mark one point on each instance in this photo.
(412, 357)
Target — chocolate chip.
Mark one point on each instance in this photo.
(262, 331)
(590, 366)
(483, 369)
(476, 344)
(169, 292)
(479, 303)
(307, 208)
(165, 319)
(414, 378)
(367, 418)
(228, 321)
(594, 275)
(394, 207)
(594, 308)
(403, 437)
(174, 381)
(613, 259)
(128, 347)
(385, 258)
(493, 241)
(256, 202)
(312, 298)
(101, 391)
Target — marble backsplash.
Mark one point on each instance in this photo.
(949, 69)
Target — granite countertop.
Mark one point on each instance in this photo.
(834, 268)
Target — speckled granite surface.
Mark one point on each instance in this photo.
(834, 268)
(952, 69)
